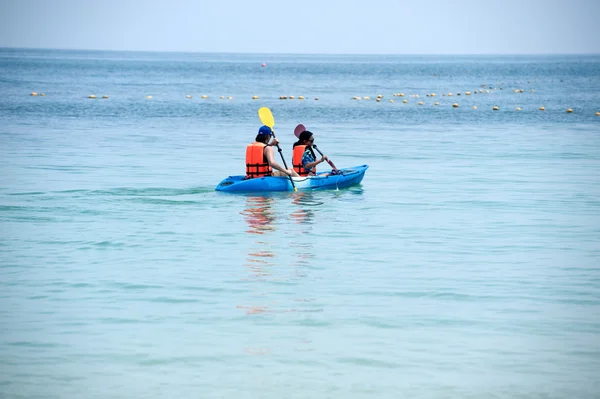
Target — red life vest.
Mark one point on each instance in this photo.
(256, 162)
(297, 160)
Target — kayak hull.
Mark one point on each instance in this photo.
(348, 177)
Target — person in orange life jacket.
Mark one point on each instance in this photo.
(304, 159)
(260, 156)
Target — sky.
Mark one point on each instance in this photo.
(306, 26)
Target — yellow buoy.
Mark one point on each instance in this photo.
(188, 96)
(495, 108)
(517, 91)
(401, 95)
(518, 109)
(487, 91)
(432, 94)
(480, 90)
(291, 97)
(34, 94)
(455, 105)
(420, 102)
(146, 96)
(569, 110)
(449, 94)
(404, 101)
(230, 98)
(204, 96)
(92, 96)
(105, 96)
(597, 114)
(380, 96)
(391, 100)
(542, 109)
(301, 98)
(474, 106)
(283, 97)
(378, 100)
(255, 97)
(467, 93)
(436, 103)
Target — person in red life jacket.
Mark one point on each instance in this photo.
(260, 156)
(304, 159)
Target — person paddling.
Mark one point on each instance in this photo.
(304, 160)
(260, 158)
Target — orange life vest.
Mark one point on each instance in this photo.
(297, 160)
(256, 162)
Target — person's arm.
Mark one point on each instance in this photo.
(271, 160)
(311, 165)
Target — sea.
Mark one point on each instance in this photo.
(465, 265)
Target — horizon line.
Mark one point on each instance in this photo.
(293, 53)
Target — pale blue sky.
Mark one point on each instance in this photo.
(306, 26)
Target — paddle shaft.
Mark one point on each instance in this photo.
(328, 161)
(266, 117)
(284, 163)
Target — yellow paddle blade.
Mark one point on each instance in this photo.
(266, 117)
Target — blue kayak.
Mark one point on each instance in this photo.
(324, 180)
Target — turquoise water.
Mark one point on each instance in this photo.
(466, 264)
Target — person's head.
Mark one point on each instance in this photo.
(264, 134)
(306, 137)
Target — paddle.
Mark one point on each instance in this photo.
(266, 117)
(298, 130)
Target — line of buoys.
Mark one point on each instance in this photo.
(378, 98)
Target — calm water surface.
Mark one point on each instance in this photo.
(466, 265)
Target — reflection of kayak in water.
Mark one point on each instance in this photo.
(346, 178)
